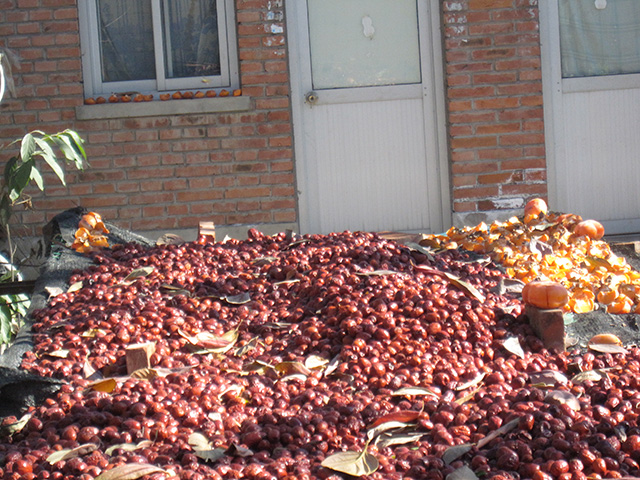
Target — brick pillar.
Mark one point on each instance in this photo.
(494, 97)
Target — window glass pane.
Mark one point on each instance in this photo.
(599, 37)
(126, 40)
(191, 40)
(363, 42)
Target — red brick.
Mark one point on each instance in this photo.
(496, 178)
(285, 216)
(523, 163)
(497, 103)
(474, 142)
(477, 167)
(464, 206)
(525, 189)
(489, 4)
(497, 128)
(522, 139)
(476, 192)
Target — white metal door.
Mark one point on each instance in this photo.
(368, 143)
(591, 129)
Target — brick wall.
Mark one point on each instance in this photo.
(168, 173)
(156, 173)
(494, 91)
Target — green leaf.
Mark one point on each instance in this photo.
(45, 147)
(5, 324)
(78, 142)
(5, 209)
(72, 152)
(27, 147)
(9, 168)
(50, 157)
(36, 177)
(352, 463)
(20, 180)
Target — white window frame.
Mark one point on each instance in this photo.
(91, 64)
(550, 29)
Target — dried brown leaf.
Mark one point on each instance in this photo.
(70, 453)
(506, 428)
(356, 464)
(106, 385)
(130, 471)
(451, 454)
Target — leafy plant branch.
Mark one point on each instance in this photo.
(21, 170)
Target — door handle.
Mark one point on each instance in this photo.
(311, 98)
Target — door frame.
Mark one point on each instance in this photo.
(432, 67)
(551, 92)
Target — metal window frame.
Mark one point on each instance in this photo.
(91, 64)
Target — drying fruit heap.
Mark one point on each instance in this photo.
(554, 247)
(90, 235)
(298, 358)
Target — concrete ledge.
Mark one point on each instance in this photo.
(159, 108)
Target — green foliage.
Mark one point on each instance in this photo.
(21, 170)
(13, 309)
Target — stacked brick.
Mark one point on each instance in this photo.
(170, 172)
(156, 173)
(494, 92)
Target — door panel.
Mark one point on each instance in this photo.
(368, 150)
(591, 122)
(371, 170)
(601, 174)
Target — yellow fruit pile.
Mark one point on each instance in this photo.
(547, 247)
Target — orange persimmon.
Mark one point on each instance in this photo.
(545, 294)
(590, 228)
(535, 206)
(622, 304)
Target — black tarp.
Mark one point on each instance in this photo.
(18, 389)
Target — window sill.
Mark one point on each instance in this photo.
(159, 108)
(603, 82)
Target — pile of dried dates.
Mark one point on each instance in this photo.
(321, 356)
